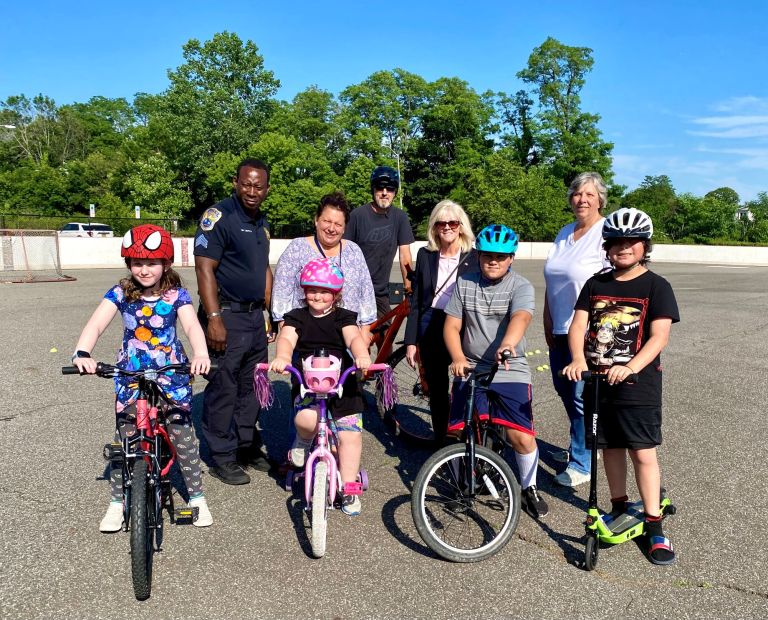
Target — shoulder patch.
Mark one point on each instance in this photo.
(209, 219)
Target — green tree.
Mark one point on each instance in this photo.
(501, 191)
(656, 196)
(218, 102)
(568, 139)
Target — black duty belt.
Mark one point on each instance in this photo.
(241, 306)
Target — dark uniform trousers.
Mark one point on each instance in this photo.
(230, 408)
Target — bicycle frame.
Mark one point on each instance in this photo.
(322, 451)
(383, 334)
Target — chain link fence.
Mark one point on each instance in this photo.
(120, 225)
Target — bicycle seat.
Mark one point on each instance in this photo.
(321, 380)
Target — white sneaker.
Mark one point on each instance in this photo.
(351, 505)
(113, 519)
(297, 455)
(204, 518)
(571, 477)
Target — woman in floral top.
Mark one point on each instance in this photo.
(330, 221)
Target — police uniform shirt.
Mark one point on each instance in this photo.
(240, 244)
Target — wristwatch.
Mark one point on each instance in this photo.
(80, 354)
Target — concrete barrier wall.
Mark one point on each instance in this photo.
(82, 253)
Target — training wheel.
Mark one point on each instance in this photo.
(591, 551)
(363, 477)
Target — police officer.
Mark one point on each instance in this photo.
(234, 281)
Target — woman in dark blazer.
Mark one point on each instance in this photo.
(448, 254)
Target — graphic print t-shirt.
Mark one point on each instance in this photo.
(150, 341)
(620, 316)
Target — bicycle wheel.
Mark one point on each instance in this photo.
(319, 509)
(410, 415)
(456, 525)
(142, 515)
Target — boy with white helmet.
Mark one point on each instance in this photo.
(621, 324)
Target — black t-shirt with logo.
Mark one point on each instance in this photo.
(620, 316)
(379, 235)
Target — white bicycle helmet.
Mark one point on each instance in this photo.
(628, 223)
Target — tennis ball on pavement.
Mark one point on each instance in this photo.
(540, 368)
(537, 351)
(54, 350)
(545, 367)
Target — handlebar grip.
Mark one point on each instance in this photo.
(70, 370)
(375, 367)
(506, 354)
(262, 366)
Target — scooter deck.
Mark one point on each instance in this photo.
(626, 520)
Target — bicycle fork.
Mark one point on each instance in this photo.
(321, 452)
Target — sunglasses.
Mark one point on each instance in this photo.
(453, 224)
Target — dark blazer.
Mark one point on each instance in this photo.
(425, 283)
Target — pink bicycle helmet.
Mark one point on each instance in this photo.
(322, 273)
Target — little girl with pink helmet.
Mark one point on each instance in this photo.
(323, 330)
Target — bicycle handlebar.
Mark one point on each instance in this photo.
(109, 370)
(297, 373)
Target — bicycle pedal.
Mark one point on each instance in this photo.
(113, 452)
(185, 516)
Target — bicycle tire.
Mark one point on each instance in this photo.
(319, 522)
(141, 539)
(454, 525)
(410, 416)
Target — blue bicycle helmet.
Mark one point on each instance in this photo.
(497, 238)
(384, 176)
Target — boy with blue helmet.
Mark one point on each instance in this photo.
(488, 314)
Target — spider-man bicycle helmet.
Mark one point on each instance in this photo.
(497, 238)
(147, 241)
(322, 273)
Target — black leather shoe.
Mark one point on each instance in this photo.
(253, 457)
(230, 473)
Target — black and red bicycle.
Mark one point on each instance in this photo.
(146, 458)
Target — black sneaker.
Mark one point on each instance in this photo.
(230, 473)
(533, 503)
(253, 457)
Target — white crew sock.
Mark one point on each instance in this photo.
(527, 464)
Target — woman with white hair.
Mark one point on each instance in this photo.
(576, 255)
(448, 254)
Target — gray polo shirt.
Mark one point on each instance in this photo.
(485, 308)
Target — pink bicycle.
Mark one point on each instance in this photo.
(321, 470)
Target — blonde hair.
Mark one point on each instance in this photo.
(453, 210)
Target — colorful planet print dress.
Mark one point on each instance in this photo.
(150, 341)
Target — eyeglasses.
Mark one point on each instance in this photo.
(453, 224)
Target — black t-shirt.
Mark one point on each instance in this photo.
(227, 234)
(326, 332)
(379, 235)
(620, 315)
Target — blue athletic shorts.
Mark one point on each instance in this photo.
(507, 404)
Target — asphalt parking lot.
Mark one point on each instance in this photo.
(254, 561)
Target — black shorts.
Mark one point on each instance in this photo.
(623, 426)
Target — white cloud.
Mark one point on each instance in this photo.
(749, 103)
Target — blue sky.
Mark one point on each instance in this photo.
(681, 87)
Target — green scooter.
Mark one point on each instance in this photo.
(605, 529)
